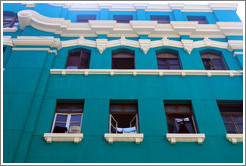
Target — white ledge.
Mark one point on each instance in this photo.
(173, 138)
(161, 73)
(137, 138)
(63, 137)
(132, 29)
(102, 44)
(10, 29)
(147, 6)
(234, 138)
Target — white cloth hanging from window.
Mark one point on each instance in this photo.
(130, 130)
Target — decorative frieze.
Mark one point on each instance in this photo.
(101, 44)
(144, 45)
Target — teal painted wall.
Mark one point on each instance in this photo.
(30, 93)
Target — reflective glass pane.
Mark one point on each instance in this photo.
(116, 108)
(230, 128)
(173, 61)
(238, 119)
(76, 118)
(217, 62)
(219, 67)
(240, 128)
(60, 124)
(62, 108)
(227, 118)
(77, 108)
(174, 67)
(75, 124)
(130, 108)
(61, 118)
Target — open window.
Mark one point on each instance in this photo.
(123, 59)
(68, 118)
(213, 61)
(200, 19)
(180, 118)
(122, 18)
(123, 118)
(10, 20)
(85, 18)
(232, 115)
(168, 60)
(160, 19)
(78, 60)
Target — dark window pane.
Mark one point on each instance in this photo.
(201, 20)
(240, 128)
(73, 61)
(122, 63)
(160, 19)
(60, 124)
(162, 63)
(230, 128)
(75, 124)
(62, 108)
(85, 18)
(173, 61)
(227, 118)
(61, 118)
(76, 118)
(174, 67)
(238, 119)
(116, 108)
(122, 18)
(77, 108)
(130, 108)
(85, 61)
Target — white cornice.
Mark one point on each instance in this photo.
(147, 6)
(35, 49)
(183, 73)
(133, 29)
(102, 44)
(10, 29)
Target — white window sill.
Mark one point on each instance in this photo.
(234, 138)
(137, 138)
(174, 137)
(10, 29)
(63, 137)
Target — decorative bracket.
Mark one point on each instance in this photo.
(188, 45)
(101, 44)
(144, 45)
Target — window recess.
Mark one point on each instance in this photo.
(67, 123)
(10, 20)
(168, 61)
(160, 19)
(213, 61)
(199, 19)
(85, 18)
(122, 18)
(78, 60)
(123, 124)
(123, 60)
(181, 124)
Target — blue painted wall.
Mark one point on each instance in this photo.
(30, 93)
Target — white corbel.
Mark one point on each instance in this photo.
(188, 45)
(101, 44)
(123, 41)
(144, 45)
(165, 41)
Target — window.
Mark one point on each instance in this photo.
(200, 19)
(78, 60)
(68, 118)
(213, 61)
(10, 20)
(180, 118)
(122, 18)
(123, 118)
(232, 115)
(168, 60)
(85, 18)
(160, 19)
(123, 60)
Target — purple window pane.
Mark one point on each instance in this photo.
(230, 128)
(173, 61)
(238, 119)
(76, 118)
(73, 60)
(240, 128)
(61, 118)
(63, 108)
(85, 61)
(227, 119)
(174, 67)
(162, 64)
(77, 108)
(60, 124)
(75, 124)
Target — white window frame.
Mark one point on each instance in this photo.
(68, 120)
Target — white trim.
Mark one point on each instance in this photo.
(63, 137)
(35, 49)
(10, 29)
(237, 53)
(29, 4)
(161, 73)
(102, 44)
(110, 138)
(147, 6)
(180, 137)
(234, 138)
(135, 28)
